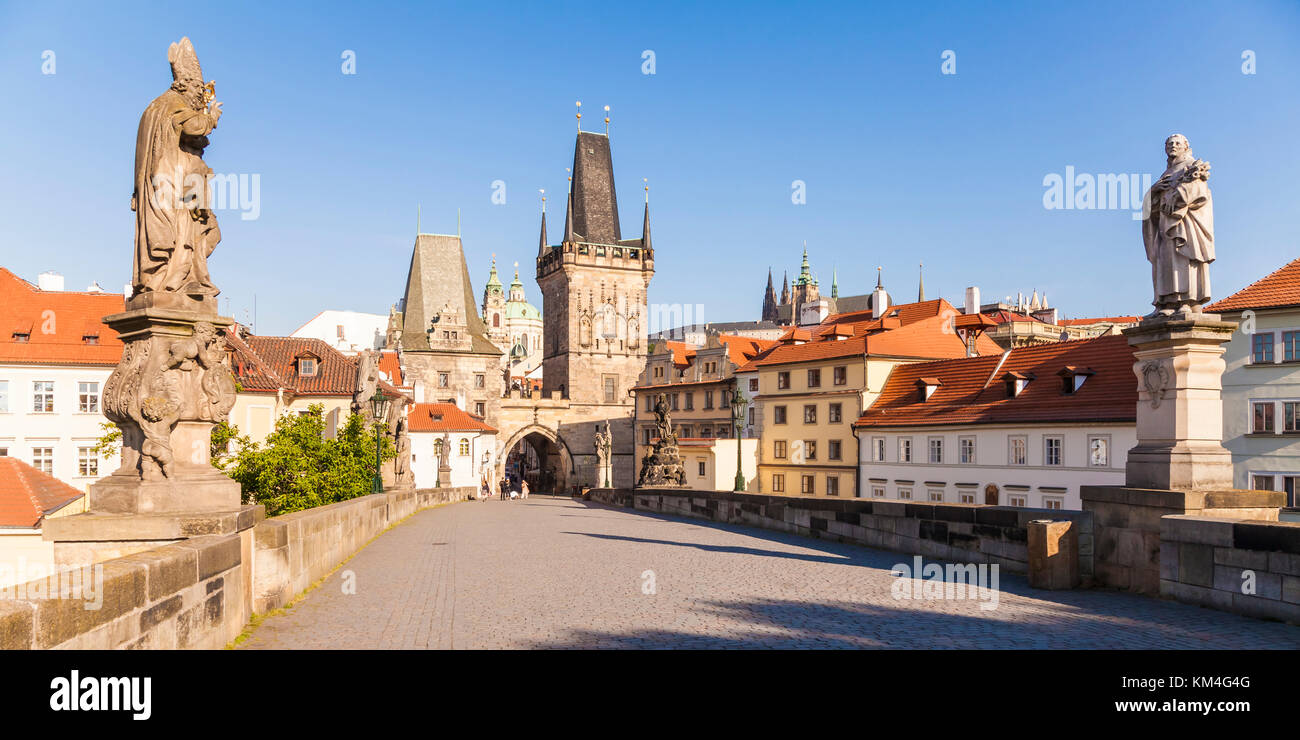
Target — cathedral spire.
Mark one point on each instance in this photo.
(785, 288)
(835, 283)
(542, 245)
(769, 299)
(645, 225)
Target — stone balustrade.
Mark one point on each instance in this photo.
(200, 592)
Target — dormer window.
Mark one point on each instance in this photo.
(1073, 378)
(22, 337)
(307, 366)
(927, 386)
(90, 339)
(1016, 383)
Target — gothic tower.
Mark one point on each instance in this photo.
(594, 288)
(770, 312)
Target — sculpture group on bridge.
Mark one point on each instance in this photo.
(662, 466)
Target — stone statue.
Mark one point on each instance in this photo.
(444, 453)
(1178, 231)
(175, 229)
(663, 466)
(402, 464)
(367, 382)
(604, 444)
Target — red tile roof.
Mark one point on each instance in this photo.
(682, 353)
(267, 364)
(1101, 320)
(390, 364)
(972, 391)
(1280, 289)
(57, 323)
(444, 417)
(27, 494)
(741, 350)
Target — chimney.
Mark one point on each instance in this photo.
(127, 291)
(972, 300)
(50, 281)
(94, 287)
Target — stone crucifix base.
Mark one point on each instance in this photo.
(1179, 371)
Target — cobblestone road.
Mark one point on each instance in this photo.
(555, 573)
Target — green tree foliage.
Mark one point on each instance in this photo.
(108, 444)
(297, 468)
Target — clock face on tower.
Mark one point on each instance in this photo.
(1098, 452)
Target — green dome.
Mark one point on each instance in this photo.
(522, 310)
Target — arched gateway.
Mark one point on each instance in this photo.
(540, 456)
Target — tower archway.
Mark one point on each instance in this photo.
(540, 456)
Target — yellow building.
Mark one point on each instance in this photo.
(815, 383)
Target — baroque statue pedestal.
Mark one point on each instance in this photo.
(168, 391)
(1179, 371)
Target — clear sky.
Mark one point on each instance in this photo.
(902, 163)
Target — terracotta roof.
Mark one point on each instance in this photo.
(741, 350)
(972, 390)
(930, 338)
(444, 417)
(1100, 320)
(57, 323)
(267, 364)
(1280, 289)
(390, 364)
(27, 494)
(681, 352)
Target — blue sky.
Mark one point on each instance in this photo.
(902, 164)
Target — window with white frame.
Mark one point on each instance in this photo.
(87, 462)
(1261, 482)
(936, 450)
(88, 398)
(966, 450)
(43, 459)
(877, 491)
(905, 450)
(936, 494)
(1290, 346)
(905, 493)
(1052, 450)
(1053, 502)
(4, 396)
(43, 396)
(877, 449)
(1291, 416)
(1262, 421)
(1017, 450)
(701, 466)
(832, 485)
(807, 484)
(1015, 499)
(965, 496)
(1261, 348)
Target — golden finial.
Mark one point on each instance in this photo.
(579, 104)
(607, 120)
(647, 189)
(543, 192)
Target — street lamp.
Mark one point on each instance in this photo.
(738, 404)
(379, 409)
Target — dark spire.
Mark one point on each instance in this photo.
(769, 300)
(593, 205)
(645, 227)
(785, 288)
(542, 245)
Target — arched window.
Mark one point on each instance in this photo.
(464, 446)
(496, 320)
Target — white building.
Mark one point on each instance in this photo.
(27, 498)
(55, 356)
(1261, 383)
(514, 325)
(349, 332)
(1024, 428)
(471, 442)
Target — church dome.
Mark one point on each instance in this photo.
(522, 310)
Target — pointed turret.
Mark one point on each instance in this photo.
(785, 288)
(835, 283)
(769, 299)
(593, 204)
(542, 246)
(645, 227)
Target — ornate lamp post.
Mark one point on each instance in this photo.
(738, 404)
(379, 408)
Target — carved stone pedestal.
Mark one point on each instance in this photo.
(167, 392)
(1180, 411)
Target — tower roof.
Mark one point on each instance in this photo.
(439, 277)
(593, 205)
